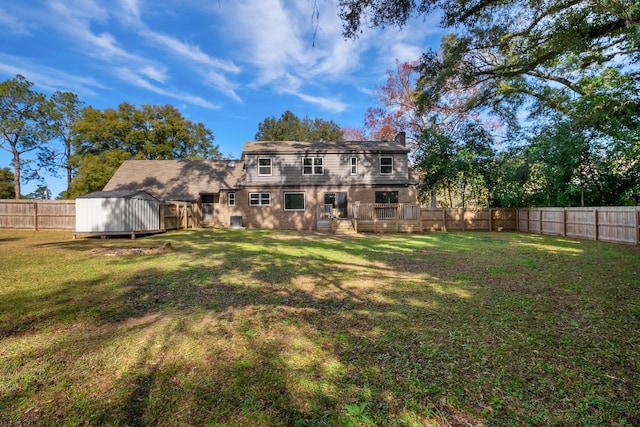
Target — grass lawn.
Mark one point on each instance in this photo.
(258, 327)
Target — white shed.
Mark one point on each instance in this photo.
(117, 212)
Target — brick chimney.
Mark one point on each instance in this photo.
(401, 138)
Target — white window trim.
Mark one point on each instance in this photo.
(304, 199)
(231, 198)
(259, 199)
(313, 165)
(353, 164)
(270, 166)
(380, 160)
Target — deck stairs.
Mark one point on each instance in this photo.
(342, 227)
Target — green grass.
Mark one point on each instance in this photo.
(260, 327)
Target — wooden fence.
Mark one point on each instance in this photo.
(610, 224)
(176, 215)
(38, 214)
(61, 215)
(469, 219)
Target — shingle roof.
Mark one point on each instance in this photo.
(347, 147)
(177, 179)
(122, 194)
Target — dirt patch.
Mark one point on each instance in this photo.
(156, 250)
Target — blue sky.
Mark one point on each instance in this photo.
(226, 63)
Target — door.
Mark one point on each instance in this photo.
(338, 202)
(208, 202)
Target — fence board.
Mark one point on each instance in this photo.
(38, 214)
(617, 224)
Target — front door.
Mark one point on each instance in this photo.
(338, 201)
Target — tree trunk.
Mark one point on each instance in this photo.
(16, 173)
(434, 202)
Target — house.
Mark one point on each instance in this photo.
(280, 184)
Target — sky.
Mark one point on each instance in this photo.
(226, 63)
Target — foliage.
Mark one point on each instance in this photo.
(104, 139)
(399, 111)
(66, 110)
(290, 127)
(571, 65)
(354, 134)
(23, 124)
(264, 327)
(40, 193)
(458, 163)
(7, 189)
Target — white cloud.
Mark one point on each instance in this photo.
(210, 69)
(14, 24)
(136, 79)
(47, 78)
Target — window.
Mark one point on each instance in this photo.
(231, 199)
(312, 166)
(264, 167)
(354, 166)
(259, 199)
(386, 197)
(386, 165)
(294, 202)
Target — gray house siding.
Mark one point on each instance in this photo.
(287, 169)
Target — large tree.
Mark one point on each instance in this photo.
(517, 49)
(290, 127)
(104, 139)
(66, 109)
(24, 126)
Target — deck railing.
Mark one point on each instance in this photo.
(386, 211)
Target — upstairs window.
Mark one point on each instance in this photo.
(354, 166)
(312, 166)
(231, 199)
(386, 165)
(264, 167)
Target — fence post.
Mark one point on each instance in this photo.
(162, 227)
(637, 227)
(444, 219)
(464, 225)
(564, 222)
(490, 220)
(35, 216)
(540, 221)
(595, 222)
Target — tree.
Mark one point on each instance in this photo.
(23, 123)
(104, 139)
(7, 189)
(290, 127)
(354, 134)
(66, 109)
(516, 49)
(458, 163)
(399, 110)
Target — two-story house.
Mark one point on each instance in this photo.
(280, 184)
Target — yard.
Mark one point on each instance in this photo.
(260, 327)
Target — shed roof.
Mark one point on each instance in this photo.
(177, 179)
(123, 194)
(346, 147)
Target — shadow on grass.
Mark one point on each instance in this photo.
(287, 329)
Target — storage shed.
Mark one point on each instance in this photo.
(117, 212)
